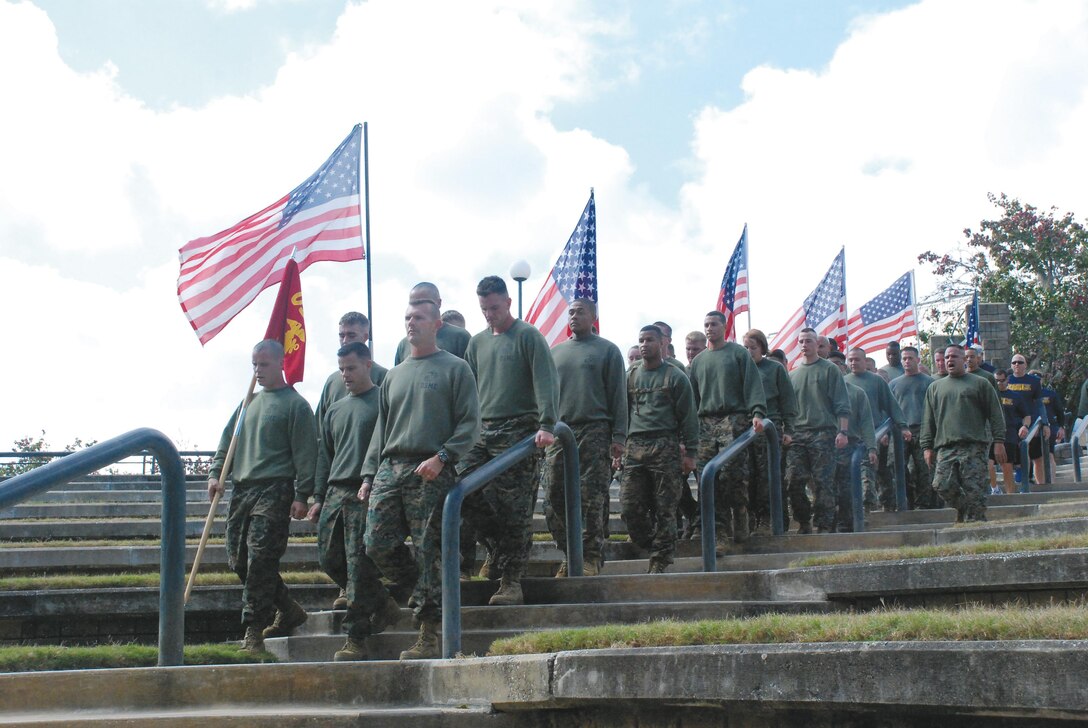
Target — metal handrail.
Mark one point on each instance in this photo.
(857, 488)
(710, 474)
(172, 562)
(896, 437)
(1074, 445)
(1025, 460)
(474, 481)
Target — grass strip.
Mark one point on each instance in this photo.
(147, 579)
(967, 548)
(1016, 622)
(1024, 519)
(52, 657)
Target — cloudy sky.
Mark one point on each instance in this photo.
(131, 127)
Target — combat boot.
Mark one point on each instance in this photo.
(253, 642)
(561, 573)
(591, 568)
(740, 524)
(341, 602)
(353, 650)
(509, 593)
(426, 646)
(723, 542)
(387, 614)
(488, 570)
(287, 620)
(657, 566)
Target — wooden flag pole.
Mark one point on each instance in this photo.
(227, 462)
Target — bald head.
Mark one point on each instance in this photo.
(425, 291)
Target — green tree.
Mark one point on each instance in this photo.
(1037, 262)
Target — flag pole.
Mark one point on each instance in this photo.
(227, 462)
(747, 250)
(366, 198)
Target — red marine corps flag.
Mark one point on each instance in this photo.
(287, 325)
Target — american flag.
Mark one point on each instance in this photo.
(574, 276)
(733, 296)
(824, 310)
(972, 338)
(320, 220)
(888, 317)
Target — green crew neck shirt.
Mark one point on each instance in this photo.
(592, 386)
(725, 381)
(821, 395)
(661, 400)
(345, 436)
(961, 409)
(515, 374)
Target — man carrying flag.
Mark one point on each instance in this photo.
(573, 276)
(733, 296)
(824, 311)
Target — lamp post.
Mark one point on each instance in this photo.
(519, 271)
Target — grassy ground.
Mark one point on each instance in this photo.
(113, 581)
(1013, 623)
(1075, 541)
(29, 659)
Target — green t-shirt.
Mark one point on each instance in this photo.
(449, 338)
(781, 399)
(334, 390)
(910, 393)
(278, 441)
(980, 372)
(515, 374)
(881, 401)
(861, 417)
(661, 400)
(345, 437)
(821, 395)
(592, 383)
(962, 409)
(426, 404)
(726, 381)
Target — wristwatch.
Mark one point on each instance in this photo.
(444, 456)
(844, 432)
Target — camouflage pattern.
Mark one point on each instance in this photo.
(810, 461)
(595, 465)
(258, 523)
(402, 505)
(501, 513)
(880, 481)
(341, 549)
(920, 491)
(717, 432)
(650, 492)
(759, 480)
(844, 495)
(962, 478)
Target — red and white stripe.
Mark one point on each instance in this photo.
(833, 327)
(895, 327)
(549, 312)
(222, 274)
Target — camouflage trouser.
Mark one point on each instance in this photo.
(650, 491)
(341, 550)
(759, 479)
(402, 505)
(920, 492)
(844, 489)
(501, 513)
(811, 461)
(258, 523)
(595, 466)
(731, 486)
(880, 482)
(962, 477)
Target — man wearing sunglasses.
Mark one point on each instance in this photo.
(1029, 389)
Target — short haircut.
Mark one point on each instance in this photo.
(491, 284)
(269, 346)
(426, 292)
(779, 355)
(905, 349)
(837, 356)
(357, 348)
(870, 360)
(664, 328)
(939, 350)
(354, 318)
(808, 330)
(952, 346)
(453, 318)
(588, 303)
(696, 336)
(1002, 372)
(430, 306)
(652, 329)
(716, 314)
(859, 350)
(893, 344)
(760, 338)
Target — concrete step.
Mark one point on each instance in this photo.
(23, 530)
(74, 510)
(115, 496)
